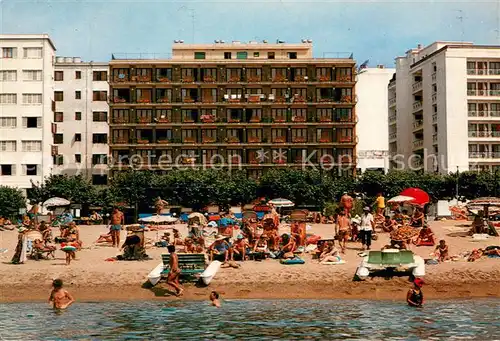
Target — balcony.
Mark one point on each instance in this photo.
(435, 138)
(392, 119)
(299, 139)
(477, 114)
(418, 124)
(417, 86)
(434, 77)
(233, 139)
(393, 136)
(254, 139)
(279, 139)
(477, 92)
(345, 139)
(417, 105)
(434, 98)
(484, 133)
(484, 155)
(418, 163)
(418, 144)
(392, 101)
(208, 139)
(494, 93)
(434, 118)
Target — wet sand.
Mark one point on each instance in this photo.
(91, 278)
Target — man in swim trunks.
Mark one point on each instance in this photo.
(175, 271)
(214, 298)
(343, 226)
(346, 203)
(60, 298)
(220, 247)
(117, 219)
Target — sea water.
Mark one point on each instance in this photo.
(253, 320)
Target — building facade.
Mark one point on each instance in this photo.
(444, 108)
(26, 109)
(81, 119)
(371, 111)
(251, 106)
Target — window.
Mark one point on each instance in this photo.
(99, 138)
(8, 76)
(8, 122)
(100, 116)
(58, 96)
(58, 76)
(30, 169)
(32, 75)
(227, 55)
(199, 55)
(31, 146)
(78, 158)
(9, 52)
(32, 52)
(78, 75)
(58, 116)
(98, 179)
(78, 94)
(270, 55)
(292, 55)
(7, 170)
(8, 146)
(78, 137)
(241, 55)
(8, 98)
(58, 139)
(99, 159)
(32, 122)
(78, 116)
(256, 54)
(99, 95)
(58, 160)
(32, 98)
(98, 76)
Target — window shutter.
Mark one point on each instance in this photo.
(14, 55)
(25, 122)
(14, 170)
(38, 122)
(24, 169)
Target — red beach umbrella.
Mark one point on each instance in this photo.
(421, 197)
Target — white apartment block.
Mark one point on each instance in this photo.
(371, 109)
(81, 117)
(444, 108)
(26, 108)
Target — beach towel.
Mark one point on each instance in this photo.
(292, 261)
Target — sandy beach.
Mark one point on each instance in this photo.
(91, 278)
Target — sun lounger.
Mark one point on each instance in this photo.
(189, 263)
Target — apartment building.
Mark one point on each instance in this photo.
(237, 105)
(26, 108)
(81, 118)
(444, 108)
(371, 111)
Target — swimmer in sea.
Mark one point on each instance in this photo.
(214, 297)
(60, 297)
(415, 296)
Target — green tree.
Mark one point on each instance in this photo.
(75, 188)
(136, 188)
(11, 200)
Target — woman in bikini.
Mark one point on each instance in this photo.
(415, 296)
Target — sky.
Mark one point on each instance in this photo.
(372, 30)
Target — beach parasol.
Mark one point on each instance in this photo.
(56, 202)
(159, 219)
(404, 233)
(490, 201)
(202, 219)
(401, 199)
(280, 202)
(421, 197)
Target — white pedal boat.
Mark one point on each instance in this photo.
(402, 260)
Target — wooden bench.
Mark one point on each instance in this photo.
(189, 263)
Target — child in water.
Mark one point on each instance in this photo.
(60, 298)
(214, 297)
(415, 296)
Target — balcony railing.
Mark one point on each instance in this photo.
(392, 119)
(434, 138)
(418, 163)
(434, 97)
(392, 101)
(478, 113)
(434, 118)
(494, 92)
(484, 155)
(393, 136)
(434, 77)
(418, 124)
(417, 105)
(417, 86)
(483, 72)
(418, 144)
(484, 133)
(477, 92)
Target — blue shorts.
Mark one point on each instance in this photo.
(116, 227)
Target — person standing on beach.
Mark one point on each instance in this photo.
(342, 230)
(175, 271)
(59, 297)
(415, 296)
(160, 205)
(346, 203)
(366, 228)
(117, 219)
